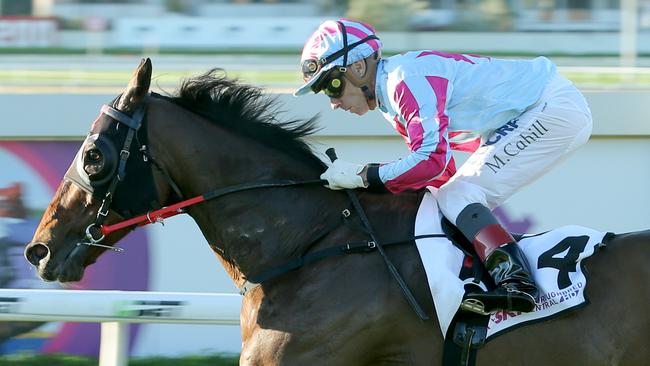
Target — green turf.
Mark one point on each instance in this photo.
(171, 78)
(104, 78)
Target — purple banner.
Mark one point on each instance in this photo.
(31, 172)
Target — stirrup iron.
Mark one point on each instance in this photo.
(473, 306)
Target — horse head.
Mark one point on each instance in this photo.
(91, 184)
(146, 151)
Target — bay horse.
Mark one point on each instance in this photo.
(214, 133)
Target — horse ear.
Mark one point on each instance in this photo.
(138, 87)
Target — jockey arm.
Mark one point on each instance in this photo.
(419, 104)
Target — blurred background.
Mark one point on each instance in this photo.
(60, 60)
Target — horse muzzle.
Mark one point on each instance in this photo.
(39, 255)
(69, 269)
(37, 252)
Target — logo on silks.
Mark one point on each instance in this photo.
(26, 189)
(509, 150)
(502, 131)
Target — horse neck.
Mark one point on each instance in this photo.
(251, 230)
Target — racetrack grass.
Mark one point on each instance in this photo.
(169, 79)
(110, 78)
(67, 360)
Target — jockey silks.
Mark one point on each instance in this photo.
(519, 117)
(439, 101)
(556, 125)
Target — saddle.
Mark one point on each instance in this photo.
(557, 255)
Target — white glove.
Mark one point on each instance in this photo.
(342, 174)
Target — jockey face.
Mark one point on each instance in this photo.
(352, 98)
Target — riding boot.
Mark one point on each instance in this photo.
(516, 289)
(504, 261)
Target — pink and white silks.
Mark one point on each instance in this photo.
(518, 117)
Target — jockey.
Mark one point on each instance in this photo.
(518, 117)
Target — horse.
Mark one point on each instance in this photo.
(214, 133)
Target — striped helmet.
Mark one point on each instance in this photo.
(335, 43)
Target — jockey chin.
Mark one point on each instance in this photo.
(517, 117)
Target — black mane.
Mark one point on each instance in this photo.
(246, 110)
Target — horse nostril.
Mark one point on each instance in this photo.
(36, 252)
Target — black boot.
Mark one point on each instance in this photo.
(503, 259)
(516, 289)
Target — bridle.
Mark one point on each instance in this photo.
(133, 123)
(96, 232)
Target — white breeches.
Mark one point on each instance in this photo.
(519, 152)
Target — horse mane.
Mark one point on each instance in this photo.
(246, 110)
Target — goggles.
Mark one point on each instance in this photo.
(332, 83)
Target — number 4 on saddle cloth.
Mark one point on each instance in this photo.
(555, 259)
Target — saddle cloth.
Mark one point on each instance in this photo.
(554, 258)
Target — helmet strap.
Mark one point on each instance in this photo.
(370, 96)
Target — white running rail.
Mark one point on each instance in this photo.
(115, 309)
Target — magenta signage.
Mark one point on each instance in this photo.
(31, 172)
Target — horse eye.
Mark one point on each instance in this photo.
(94, 156)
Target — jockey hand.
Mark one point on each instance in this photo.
(342, 174)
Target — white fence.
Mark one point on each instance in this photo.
(116, 309)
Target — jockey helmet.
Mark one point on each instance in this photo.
(335, 44)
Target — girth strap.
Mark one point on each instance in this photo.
(348, 248)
